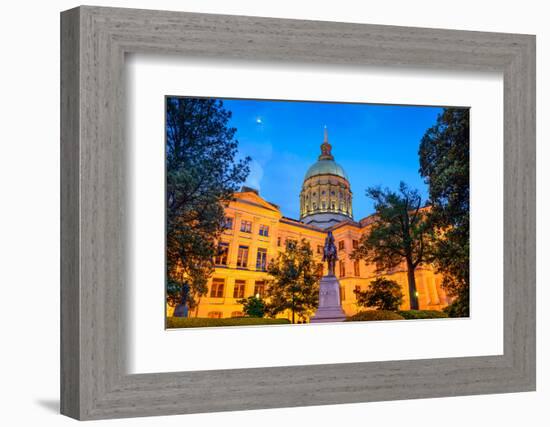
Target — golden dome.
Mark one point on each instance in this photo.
(326, 167)
(326, 197)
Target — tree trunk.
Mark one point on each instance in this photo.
(293, 308)
(197, 308)
(413, 296)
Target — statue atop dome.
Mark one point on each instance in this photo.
(326, 148)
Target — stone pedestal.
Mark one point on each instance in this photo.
(181, 311)
(329, 309)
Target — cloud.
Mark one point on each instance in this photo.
(255, 176)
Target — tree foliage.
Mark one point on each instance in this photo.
(202, 173)
(400, 233)
(294, 283)
(382, 293)
(253, 306)
(445, 164)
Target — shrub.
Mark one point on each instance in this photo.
(422, 314)
(459, 307)
(382, 294)
(252, 306)
(199, 322)
(374, 315)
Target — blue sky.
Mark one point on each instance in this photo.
(375, 144)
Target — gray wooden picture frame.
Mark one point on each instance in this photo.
(94, 41)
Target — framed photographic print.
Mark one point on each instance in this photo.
(233, 253)
(345, 212)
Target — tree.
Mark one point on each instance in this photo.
(295, 280)
(445, 164)
(400, 233)
(253, 306)
(384, 294)
(202, 173)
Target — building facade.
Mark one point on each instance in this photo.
(256, 231)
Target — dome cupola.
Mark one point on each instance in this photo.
(326, 195)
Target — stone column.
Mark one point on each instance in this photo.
(339, 195)
(253, 248)
(431, 289)
(442, 296)
(272, 246)
(229, 286)
(422, 287)
(234, 246)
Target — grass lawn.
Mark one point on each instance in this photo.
(198, 322)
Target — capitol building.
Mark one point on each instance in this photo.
(257, 231)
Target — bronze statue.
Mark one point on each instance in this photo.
(330, 255)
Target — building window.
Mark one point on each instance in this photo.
(314, 194)
(242, 256)
(223, 251)
(341, 245)
(278, 241)
(237, 314)
(264, 230)
(324, 205)
(261, 259)
(323, 193)
(356, 268)
(246, 226)
(216, 290)
(319, 249)
(314, 206)
(332, 193)
(215, 314)
(238, 289)
(355, 243)
(228, 223)
(333, 206)
(259, 288)
(342, 268)
(342, 294)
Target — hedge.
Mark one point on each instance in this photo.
(199, 322)
(423, 314)
(374, 315)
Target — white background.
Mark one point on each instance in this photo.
(151, 78)
(29, 213)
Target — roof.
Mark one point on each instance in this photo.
(302, 224)
(326, 167)
(252, 197)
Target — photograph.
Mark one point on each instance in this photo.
(294, 212)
